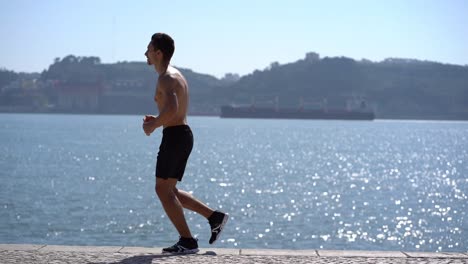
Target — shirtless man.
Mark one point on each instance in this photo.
(172, 97)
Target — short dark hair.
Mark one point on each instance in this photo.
(164, 43)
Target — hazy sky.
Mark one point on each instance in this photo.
(237, 36)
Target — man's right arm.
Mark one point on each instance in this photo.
(170, 103)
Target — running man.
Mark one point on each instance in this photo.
(172, 98)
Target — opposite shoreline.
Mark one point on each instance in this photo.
(26, 254)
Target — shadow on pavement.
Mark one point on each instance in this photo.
(148, 259)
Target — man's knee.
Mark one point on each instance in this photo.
(165, 191)
(161, 190)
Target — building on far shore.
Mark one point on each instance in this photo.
(78, 97)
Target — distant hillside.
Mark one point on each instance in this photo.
(394, 88)
(85, 85)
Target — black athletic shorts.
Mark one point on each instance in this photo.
(174, 151)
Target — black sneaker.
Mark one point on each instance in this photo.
(217, 221)
(183, 246)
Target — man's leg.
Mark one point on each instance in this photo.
(190, 202)
(216, 219)
(171, 204)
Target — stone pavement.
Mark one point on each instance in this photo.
(48, 254)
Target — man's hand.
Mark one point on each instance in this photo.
(148, 124)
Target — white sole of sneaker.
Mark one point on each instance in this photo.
(187, 251)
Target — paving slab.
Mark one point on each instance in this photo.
(219, 251)
(53, 248)
(361, 253)
(435, 255)
(33, 254)
(22, 247)
(143, 250)
(158, 251)
(277, 252)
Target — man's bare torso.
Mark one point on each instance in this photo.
(178, 86)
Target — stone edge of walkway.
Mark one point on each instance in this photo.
(233, 251)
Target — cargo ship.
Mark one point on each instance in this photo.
(253, 111)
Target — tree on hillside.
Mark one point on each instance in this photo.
(7, 77)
